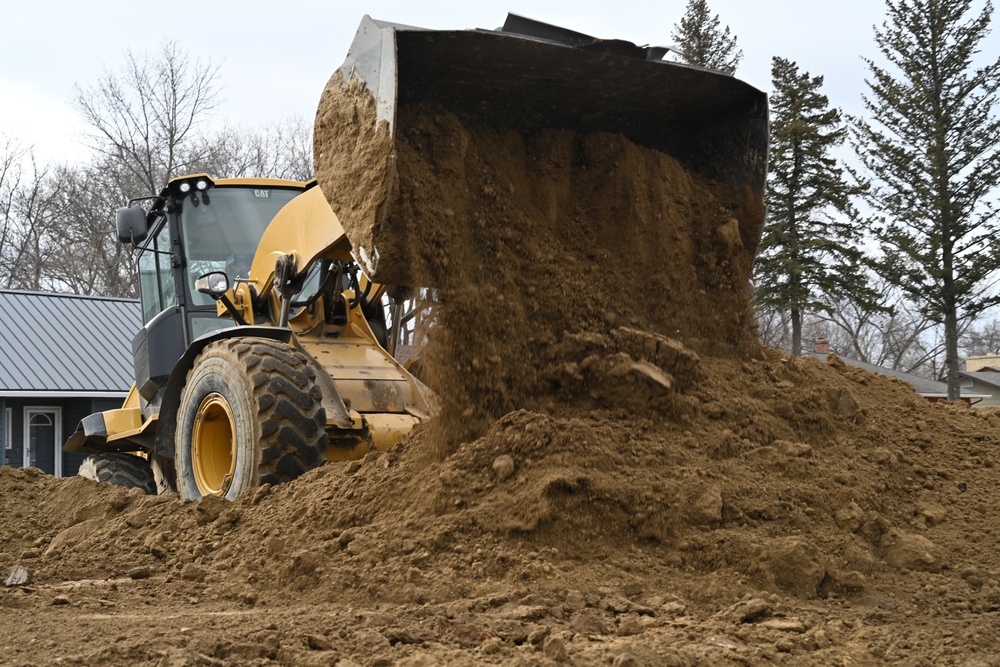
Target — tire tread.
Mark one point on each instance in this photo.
(120, 469)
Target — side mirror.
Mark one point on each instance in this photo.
(132, 225)
(214, 284)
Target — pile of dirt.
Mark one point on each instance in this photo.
(799, 511)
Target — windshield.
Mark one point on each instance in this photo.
(222, 227)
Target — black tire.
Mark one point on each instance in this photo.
(250, 413)
(164, 473)
(126, 470)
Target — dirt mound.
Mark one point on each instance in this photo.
(796, 509)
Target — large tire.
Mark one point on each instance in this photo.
(164, 473)
(250, 413)
(127, 470)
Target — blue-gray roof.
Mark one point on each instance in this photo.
(62, 344)
(923, 386)
(991, 378)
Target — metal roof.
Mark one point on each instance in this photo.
(923, 386)
(66, 345)
(991, 378)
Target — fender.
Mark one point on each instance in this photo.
(167, 422)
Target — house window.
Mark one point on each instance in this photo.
(7, 439)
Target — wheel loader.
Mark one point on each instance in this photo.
(264, 351)
(266, 348)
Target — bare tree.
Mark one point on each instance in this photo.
(149, 116)
(149, 121)
(982, 340)
(774, 328)
(153, 118)
(88, 258)
(900, 338)
(889, 332)
(280, 151)
(30, 216)
(54, 233)
(11, 159)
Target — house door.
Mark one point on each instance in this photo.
(43, 439)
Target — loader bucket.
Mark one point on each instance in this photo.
(526, 76)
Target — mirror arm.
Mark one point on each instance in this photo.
(232, 309)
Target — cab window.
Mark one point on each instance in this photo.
(156, 283)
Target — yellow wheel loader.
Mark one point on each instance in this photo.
(264, 351)
(266, 347)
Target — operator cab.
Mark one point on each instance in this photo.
(199, 228)
(196, 225)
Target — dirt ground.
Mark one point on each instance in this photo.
(619, 475)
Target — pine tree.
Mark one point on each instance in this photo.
(701, 41)
(807, 250)
(932, 144)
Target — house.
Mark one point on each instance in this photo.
(932, 390)
(62, 357)
(982, 376)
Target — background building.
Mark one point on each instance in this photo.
(62, 357)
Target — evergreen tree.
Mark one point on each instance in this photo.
(932, 144)
(807, 249)
(702, 42)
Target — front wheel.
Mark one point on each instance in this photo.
(250, 413)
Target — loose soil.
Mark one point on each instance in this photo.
(619, 475)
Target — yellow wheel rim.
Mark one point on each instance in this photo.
(213, 446)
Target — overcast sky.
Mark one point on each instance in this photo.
(276, 57)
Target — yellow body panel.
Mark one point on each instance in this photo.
(126, 422)
(240, 297)
(305, 228)
(366, 378)
(385, 431)
(122, 420)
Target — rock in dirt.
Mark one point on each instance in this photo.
(793, 625)
(318, 643)
(503, 467)
(554, 648)
(590, 622)
(912, 552)
(746, 611)
(796, 566)
(192, 572)
(18, 576)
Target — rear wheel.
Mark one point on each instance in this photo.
(251, 413)
(118, 469)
